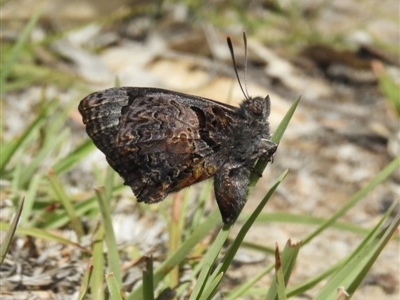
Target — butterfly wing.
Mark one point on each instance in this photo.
(157, 140)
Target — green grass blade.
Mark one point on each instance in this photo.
(112, 247)
(148, 279)
(31, 129)
(195, 238)
(43, 234)
(5, 245)
(208, 261)
(15, 52)
(97, 280)
(280, 130)
(209, 291)
(30, 199)
(376, 247)
(201, 280)
(284, 265)
(73, 157)
(280, 281)
(283, 217)
(352, 272)
(245, 287)
(82, 208)
(113, 287)
(109, 184)
(32, 168)
(175, 220)
(378, 179)
(16, 179)
(59, 219)
(200, 209)
(306, 285)
(390, 89)
(66, 202)
(85, 282)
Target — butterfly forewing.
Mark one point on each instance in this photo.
(158, 141)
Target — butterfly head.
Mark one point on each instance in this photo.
(257, 108)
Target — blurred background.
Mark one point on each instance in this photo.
(342, 57)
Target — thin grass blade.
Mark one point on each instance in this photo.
(5, 245)
(111, 242)
(378, 179)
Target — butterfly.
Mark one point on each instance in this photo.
(161, 141)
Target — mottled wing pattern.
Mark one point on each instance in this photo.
(101, 112)
(158, 140)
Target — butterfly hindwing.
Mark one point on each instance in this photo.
(160, 141)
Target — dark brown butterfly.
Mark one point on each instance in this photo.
(161, 141)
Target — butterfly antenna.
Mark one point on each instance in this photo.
(228, 39)
(245, 63)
